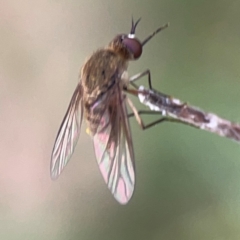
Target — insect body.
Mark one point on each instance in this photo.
(100, 98)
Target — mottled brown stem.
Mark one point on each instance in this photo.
(172, 108)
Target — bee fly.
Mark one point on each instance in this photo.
(100, 98)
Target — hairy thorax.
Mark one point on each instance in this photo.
(101, 75)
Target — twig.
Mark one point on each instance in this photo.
(173, 109)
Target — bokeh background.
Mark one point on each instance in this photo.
(188, 180)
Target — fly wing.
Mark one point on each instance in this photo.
(114, 150)
(68, 134)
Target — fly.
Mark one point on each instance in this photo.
(100, 99)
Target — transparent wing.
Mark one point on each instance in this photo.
(68, 134)
(114, 150)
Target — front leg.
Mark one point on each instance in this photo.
(140, 75)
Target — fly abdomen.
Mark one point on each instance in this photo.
(93, 115)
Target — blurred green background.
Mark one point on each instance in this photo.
(188, 181)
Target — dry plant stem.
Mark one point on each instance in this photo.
(175, 110)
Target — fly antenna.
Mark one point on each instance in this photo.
(154, 33)
(134, 25)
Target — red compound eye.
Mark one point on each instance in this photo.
(134, 46)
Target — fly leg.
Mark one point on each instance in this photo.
(136, 113)
(140, 75)
(134, 78)
(149, 125)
